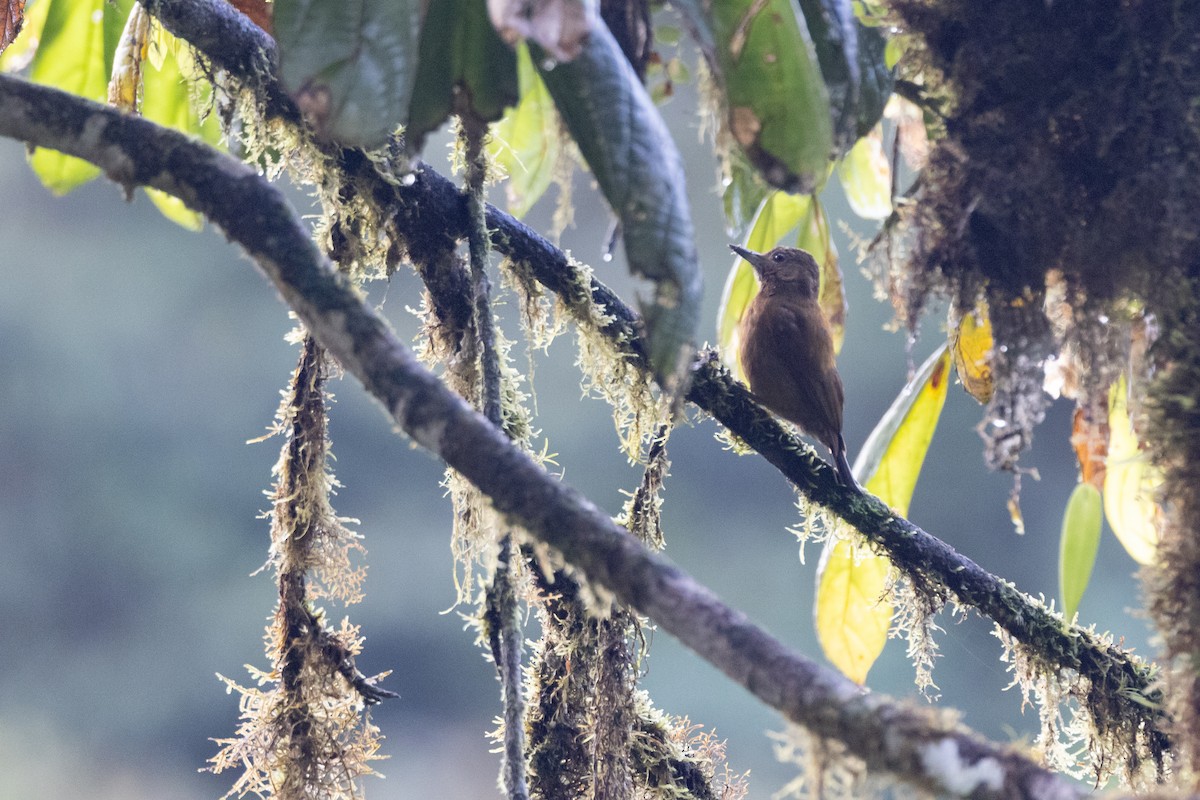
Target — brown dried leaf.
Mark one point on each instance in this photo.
(559, 26)
(259, 12)
(1089, 437)
(12, 16)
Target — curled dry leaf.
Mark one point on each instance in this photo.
(12, 15)
(259, 12)
(559, 26)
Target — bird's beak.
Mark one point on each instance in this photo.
(753, 258)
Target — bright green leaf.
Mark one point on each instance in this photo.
(638, 167)
(349, 64)
(1078, 545)
(891, 459)
(168, 100)
(525, 142)
(72, 57)
(459, 48)
(866, 176)
(853, 612)
(1131, 483)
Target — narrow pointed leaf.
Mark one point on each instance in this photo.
(972, 346)
(1078, 545)
(634, 160)
(464, 68)
(891, 459)
(866, 177)
(349, 64)
(814, 237)
(1131, 484)
(853, 613)
(525, 142)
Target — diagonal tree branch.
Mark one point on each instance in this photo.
(430, 210)
(917, 746)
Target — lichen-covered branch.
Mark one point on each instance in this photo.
(917, 746)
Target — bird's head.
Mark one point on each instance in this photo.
(784, 269)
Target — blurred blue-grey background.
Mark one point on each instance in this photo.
(136, 360)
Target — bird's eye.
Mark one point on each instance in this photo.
(777, 257)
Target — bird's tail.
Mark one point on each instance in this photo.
(845, 474)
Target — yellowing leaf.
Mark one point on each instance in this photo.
(526, 141)
(814, 237)
(972, 343)
(853, 614)
(1131, 483)
(1077, 546)
(891, 459)
(866, 177)
(126, 79)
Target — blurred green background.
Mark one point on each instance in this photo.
(137, 359)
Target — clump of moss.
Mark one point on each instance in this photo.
(1071, 147)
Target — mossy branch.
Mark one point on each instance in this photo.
(502, 614)
(918, 746)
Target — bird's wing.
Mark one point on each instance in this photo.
(818, 401)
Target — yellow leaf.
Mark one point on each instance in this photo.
(526, 141)
(126, 80)
(814, 237)
(972, 352)
(866, 177)
(1077, 546)
(891, 459)
(1131, 483)
(853, 613)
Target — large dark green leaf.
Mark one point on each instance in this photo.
(625, 143)
(852, 64)
(349, 64)
(460, 48)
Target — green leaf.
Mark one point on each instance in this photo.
(852, 609)
(460, 48)
(75, 54)
(778, 106)
(525, 142)
(349, 64)
(1078, 545)
(168, 101)
(891, 459)
(633, 158)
